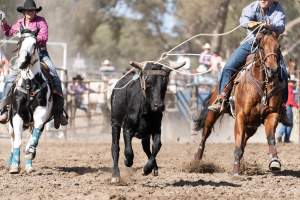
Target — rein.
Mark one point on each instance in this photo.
(261, 86)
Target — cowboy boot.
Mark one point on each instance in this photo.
(3, 115)
(217, 105)
(4, 102)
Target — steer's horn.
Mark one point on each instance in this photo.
(178, 66)
(137, 65)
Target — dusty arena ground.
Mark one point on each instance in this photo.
(78, 169)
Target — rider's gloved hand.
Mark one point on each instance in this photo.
(2, 16)
(267, 25)
(253, 24)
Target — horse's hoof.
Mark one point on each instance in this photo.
(237, 177)
(14, 169)
(115, 180)
(155, 172)
(29, 169)
(275, 165)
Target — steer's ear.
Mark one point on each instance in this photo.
(137, 65)
(178, 66)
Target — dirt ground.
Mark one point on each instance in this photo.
(78, 169)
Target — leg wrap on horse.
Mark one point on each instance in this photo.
(34, 140)
(271, 140)
(15, 161)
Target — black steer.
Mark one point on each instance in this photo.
(138, 109)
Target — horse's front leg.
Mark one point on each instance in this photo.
(40, 116)
(16, 141)
(239, 133)
(12, 138)
(270, 124)
(151, 164)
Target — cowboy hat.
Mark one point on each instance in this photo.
(206, 46)
(78, 77)
(29, 5)
(293, 78)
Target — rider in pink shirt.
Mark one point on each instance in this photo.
(38, 24)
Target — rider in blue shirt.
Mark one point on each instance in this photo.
(267, 13)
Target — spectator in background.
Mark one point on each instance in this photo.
(4, 64)
(285, 131)
(4, 69)
(78, 88)
(217, 65)
(107, 69)
(205, 59)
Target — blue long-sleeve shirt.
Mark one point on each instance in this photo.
(275, 16)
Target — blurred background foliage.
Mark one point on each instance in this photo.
(124, 30)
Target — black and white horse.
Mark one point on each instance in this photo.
(31, 102)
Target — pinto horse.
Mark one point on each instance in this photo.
(257, 94)
(31, 102)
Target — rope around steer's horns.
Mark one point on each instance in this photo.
(141, 66)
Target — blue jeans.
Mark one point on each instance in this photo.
(285, 131)
(238, 59)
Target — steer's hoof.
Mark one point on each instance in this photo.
(115, 180)
(128, 163)
(155, 172)
(147, 171)
(14, 169)
(275, 165)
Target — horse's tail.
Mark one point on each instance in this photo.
(200, 120)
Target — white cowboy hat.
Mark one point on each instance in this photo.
(293, 78)
(206, 46)
(106, 62)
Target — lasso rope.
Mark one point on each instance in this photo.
(167, 54)
(11, 38)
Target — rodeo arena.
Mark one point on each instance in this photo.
(187, 122)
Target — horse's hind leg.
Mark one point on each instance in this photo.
(17, 140)
(208, 125)
(270, 127)
(146, 148)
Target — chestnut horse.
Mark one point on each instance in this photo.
(257, 94)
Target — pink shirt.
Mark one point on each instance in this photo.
(37, 23)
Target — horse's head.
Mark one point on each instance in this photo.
(154, 82)
(26, 49)
(269, 51)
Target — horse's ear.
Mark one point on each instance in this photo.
(275, 35)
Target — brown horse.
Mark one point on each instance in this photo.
(257, 94)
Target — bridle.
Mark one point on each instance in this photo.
(28, 90)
